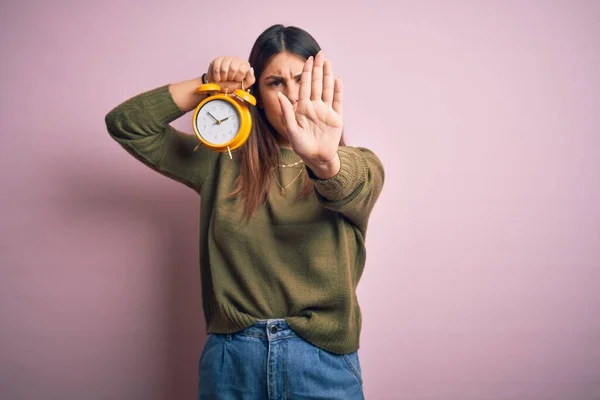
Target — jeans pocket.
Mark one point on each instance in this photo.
(353, 364)
(209, 339)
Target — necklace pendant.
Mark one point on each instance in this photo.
(282, 192)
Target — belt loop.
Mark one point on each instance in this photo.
(229, 337)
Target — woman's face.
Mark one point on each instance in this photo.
(281, 74)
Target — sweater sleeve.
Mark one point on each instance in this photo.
(141, 126)
(354, 190)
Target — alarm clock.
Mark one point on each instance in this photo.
(222, 121)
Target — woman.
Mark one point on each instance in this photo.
(282, 224)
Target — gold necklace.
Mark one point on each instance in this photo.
(290, 165)
(283, 192)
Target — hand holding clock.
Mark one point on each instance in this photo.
(222, 119)
(229, 72)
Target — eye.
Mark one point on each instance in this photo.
(275, 83)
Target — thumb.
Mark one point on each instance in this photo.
(249, 79)
(288, 114)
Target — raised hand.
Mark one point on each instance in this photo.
(314, 129)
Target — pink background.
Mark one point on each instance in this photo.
(483, 272)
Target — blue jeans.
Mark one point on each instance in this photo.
(269, 361)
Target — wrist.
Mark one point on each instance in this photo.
(185, 95)
(324, 169)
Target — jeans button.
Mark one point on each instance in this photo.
(273, 329)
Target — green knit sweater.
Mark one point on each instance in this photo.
(298, 260)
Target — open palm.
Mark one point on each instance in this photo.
(314, 129)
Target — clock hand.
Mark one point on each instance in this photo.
(216, 120)
(225, 119)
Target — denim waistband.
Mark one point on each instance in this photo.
(270, 329)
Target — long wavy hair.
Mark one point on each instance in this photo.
(260, 153)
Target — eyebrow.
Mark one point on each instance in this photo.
(276, 77)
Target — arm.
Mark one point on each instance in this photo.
(141, 125)
(355, 188)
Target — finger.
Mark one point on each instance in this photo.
(216, 67)
(337, 96)
(287, 112)
(317, 76)
(328, 83)
(209, 76)
(241, 72)
(234, 70)
(234, 65)
(224, 69)
(249, 79)
(305, 80)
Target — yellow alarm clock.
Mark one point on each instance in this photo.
(222, 121)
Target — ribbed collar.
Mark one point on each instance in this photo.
(288, 156)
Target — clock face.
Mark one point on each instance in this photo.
(217, 122)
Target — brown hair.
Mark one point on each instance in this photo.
(260, 153)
